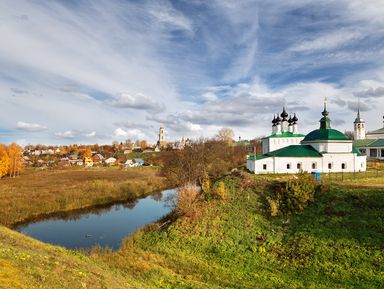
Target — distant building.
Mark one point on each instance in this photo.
(371, 143)
(322, 150)
(161, 143)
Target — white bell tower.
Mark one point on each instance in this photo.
(359, 125)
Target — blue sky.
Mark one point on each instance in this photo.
(98, 71)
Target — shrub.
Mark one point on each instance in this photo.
(291, 196)
(187, 196)
(220, 191)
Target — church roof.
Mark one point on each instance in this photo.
(362, 142)
(325, 134)
(286, 134)
(377, 143)
(296, 151)
(378, 131)
(356, 151)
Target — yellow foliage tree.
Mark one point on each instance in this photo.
(15, 159)
(4, 161)
(87, 152)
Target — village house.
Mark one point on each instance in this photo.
(111, 161)
(98, 159)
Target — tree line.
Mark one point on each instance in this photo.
(11, 160)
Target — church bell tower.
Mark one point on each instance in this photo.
(359, 126)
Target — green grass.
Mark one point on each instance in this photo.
(27, 263)
(336, 242)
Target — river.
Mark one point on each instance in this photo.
(105, 226)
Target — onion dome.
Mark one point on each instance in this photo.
(278, 119)
(284, 114)
(274, 120)
(290, 121)
(295, 119)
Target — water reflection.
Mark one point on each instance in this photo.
(104, 226)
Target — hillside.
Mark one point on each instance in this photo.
(336, 242)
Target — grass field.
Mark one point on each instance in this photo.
(39, 192)
(336, 242)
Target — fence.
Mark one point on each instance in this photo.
(343, 176)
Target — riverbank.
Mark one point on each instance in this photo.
(336, 242)
(38, 193)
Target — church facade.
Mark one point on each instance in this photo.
(322, 150)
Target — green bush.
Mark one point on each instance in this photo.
(291, 196)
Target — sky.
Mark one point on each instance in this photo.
(102, 71)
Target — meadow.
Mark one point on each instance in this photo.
(337, 241)
(39, 192)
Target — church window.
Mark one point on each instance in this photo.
(373, 153)
(299, 166)
(343, 166)
(358, 126)
(264, 167)
(314, 166)
(330, 166)
(363, 151)
(288, 166)
(382, 153)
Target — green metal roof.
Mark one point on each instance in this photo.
(256, 157)
(286, 134)
(289, 151)
(362, 142)
(356, 151)
(325, 134)
(377, 143)
(295, 151)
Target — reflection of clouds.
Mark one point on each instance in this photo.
(168, 197)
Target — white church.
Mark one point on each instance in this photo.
(322, 150)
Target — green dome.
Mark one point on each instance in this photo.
(325, 134)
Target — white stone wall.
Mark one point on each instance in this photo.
(330, 146)
(292, 165)
(275, 143)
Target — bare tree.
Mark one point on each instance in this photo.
(225, 134)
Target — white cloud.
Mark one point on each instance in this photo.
(32, 127)
(164, 13)
(331, 40)
(66, 134)
(91, 134)
(138, 101)
(130, 133)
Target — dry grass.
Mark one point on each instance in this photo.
(43, 192)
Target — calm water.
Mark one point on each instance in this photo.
(104, 226)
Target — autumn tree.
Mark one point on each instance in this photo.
(143, 144)
(4, 161)
(225, 135)
(88, 152)
(15, 159)
(201, 161)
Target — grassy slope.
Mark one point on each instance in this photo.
(27, 263)
(43, 192)
(335, 243)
